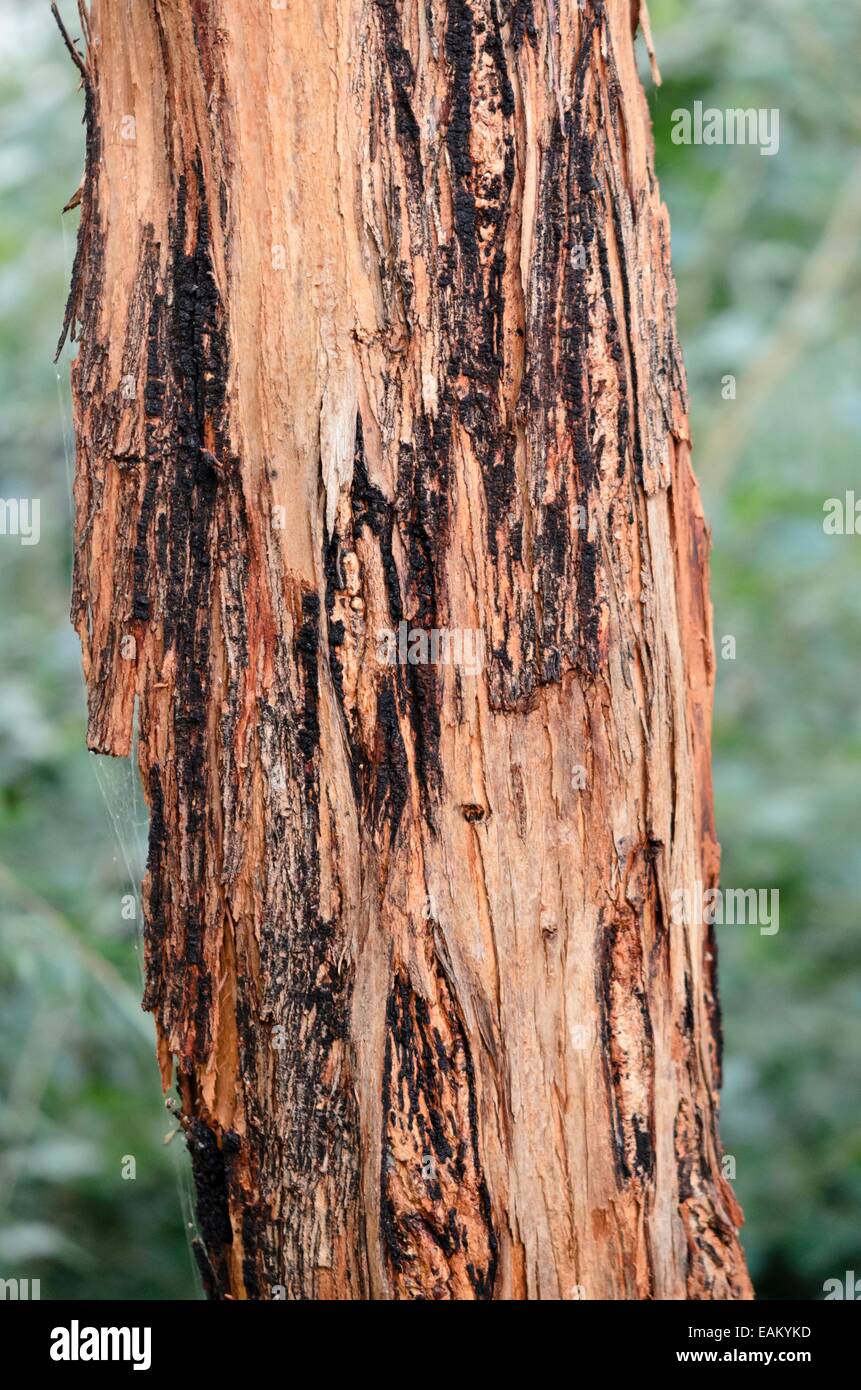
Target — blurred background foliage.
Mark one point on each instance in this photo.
(766, 254)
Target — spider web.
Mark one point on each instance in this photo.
(119, 783)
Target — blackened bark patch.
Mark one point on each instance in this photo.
(372, 510)
(423, 482)
(85, 289)
(713, 1005)
(632, 355)
(253, 1240)
(707, 1209)
(627, 1046)
(181, 515)
(388, 773)
(154, 891)
(403, 80)
(460, 52)
(522, 22)
(293, 1019)
(315, 1021)
(437, 1229)
(551, 585)
(306, 646)
(213, 1215)
(193, 594)
(408, 698)
(588, 603)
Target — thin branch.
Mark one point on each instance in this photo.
(85, 23)
(75, 55)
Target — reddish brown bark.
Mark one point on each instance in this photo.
(376, 325)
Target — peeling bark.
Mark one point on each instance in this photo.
(376, 326)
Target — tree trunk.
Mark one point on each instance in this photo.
(376, 329)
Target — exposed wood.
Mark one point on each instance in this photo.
(376, 324)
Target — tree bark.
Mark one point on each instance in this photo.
(376, 327)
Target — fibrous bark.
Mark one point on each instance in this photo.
(376, 327)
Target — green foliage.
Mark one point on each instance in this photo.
(768, 273)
